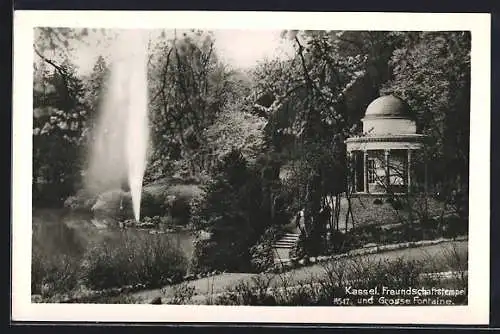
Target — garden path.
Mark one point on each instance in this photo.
(216, 284)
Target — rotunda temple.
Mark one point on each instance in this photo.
(382, 158)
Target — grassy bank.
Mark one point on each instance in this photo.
(393, 268)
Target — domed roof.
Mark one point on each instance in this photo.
(388, 106)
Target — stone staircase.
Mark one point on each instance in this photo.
(283, 246)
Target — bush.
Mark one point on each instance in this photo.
(120, 299)
(81, 201)
(183, 294)
(152, 205)
(327, 289)
(56, 253)
(454, 226)
(363, 235)
(53, 274)
(222, 255)
(133, 258)
(299, 251)
(341, 243)
(261, 253)
(253, 292)
(231, 212)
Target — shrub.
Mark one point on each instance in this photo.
(183, 293)
(81, 201)
(180, 200)
(341, 242)
(56, 253)
(253, 292)
(53, 274)
(120, 299)
(230, 255)
(152, 205)
(202, 261)
(133, 258)
(261, 253)
(361, 273)
(454, 226)
(231, 213)
(363, 235)
(299, 251)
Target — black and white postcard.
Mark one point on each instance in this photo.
(251, 167)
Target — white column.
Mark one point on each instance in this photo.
(352, 156)
(387, 171)
(409, 167)
(426, 189)
(365, 171)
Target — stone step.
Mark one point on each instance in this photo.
(294, 237)
(284, 246)
(283, 261)
(285, 242)
(289, 237)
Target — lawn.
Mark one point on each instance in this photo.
(377, 210)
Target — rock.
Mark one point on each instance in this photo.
(372, 244)
(312, 260)
(302, 262)
(204, 235)
(355, 252)
(145, 225)
(112, 203)
(46, 289)
(156, 220)
(82, 200)
(156, 301)
(390, 247)
(36, 299)
(188, 277)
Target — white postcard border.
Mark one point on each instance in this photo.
(477, 312)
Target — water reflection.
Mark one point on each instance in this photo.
(59, 231)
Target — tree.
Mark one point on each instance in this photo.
(307, 110)
(431, 70)
(59, 115)
(189, 88)
(231, 214)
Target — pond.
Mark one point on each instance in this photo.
(63, 232)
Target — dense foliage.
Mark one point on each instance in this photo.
(232, 214)
(133, 257)
(264, 143)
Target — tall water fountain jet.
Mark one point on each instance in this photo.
(119, 152)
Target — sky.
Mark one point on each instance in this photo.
(240, 48)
